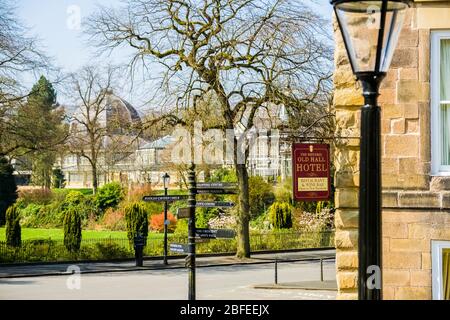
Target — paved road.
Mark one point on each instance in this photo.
(214, 283)
(61, 268)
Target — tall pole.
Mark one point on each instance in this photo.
(370, 245)
(165, 227)
(191, 230)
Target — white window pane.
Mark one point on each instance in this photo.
(445, 134)
(445, 70)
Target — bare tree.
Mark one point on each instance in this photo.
(19, 55)
(243, 52)
(98, 131)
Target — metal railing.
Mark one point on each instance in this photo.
(47, 250)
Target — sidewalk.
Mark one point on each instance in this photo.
(152, 264)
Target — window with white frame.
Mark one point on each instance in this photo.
(440, 102)
(441, 269)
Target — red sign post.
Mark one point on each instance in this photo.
(311, 171)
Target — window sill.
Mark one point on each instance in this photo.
(440, 182)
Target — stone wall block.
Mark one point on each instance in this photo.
(419, 199)
(345, 219)
(346, 239)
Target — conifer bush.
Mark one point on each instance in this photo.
(8, 188)
(72, 230)
(13, 231)
(137, 221)
(280, 215)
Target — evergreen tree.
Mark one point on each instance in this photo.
(72, 230)
(13, 230)
(43, 94)
(40, 117)
(8, 188)
(137, 221)
(58, 179)
(280, 215)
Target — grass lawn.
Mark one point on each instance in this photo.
(58, 234)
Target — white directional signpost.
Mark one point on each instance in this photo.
(199, 234)
(216, 185)
(179, 248)
(214, 233)
(214, 204)
(184, 212)
(164, 198)
(216, 191)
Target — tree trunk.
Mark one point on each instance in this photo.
(94, 179)
(243, 232)
(48, 176)
(207, 173)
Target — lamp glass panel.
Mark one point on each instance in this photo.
(395, 16)
(361, 23)
(166, 179)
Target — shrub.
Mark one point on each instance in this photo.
(83, 203)
(8, 188)
(29, 214)
(114, 219)
(37, 196)
(52, 215)
(72, 230)
(313, 222)
(260, 194)
(109, 196)
(110, 250)
(174, 206)
(13, 232)
(283, 191)
(314, 206)
(137, 221)
(223, 222)
(280, 215)
(260, 223)
(58, 180)
(39, 215)
(181, 228)
(157, 222)
(202, 218)
(73, 199)
(224, 175)
(137, 192)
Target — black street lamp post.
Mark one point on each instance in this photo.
(370, 30)
(166, 180)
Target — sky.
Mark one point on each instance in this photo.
(56, 24)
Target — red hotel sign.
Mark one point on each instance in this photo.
(311, 170)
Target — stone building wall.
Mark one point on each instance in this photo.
(416, 206)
